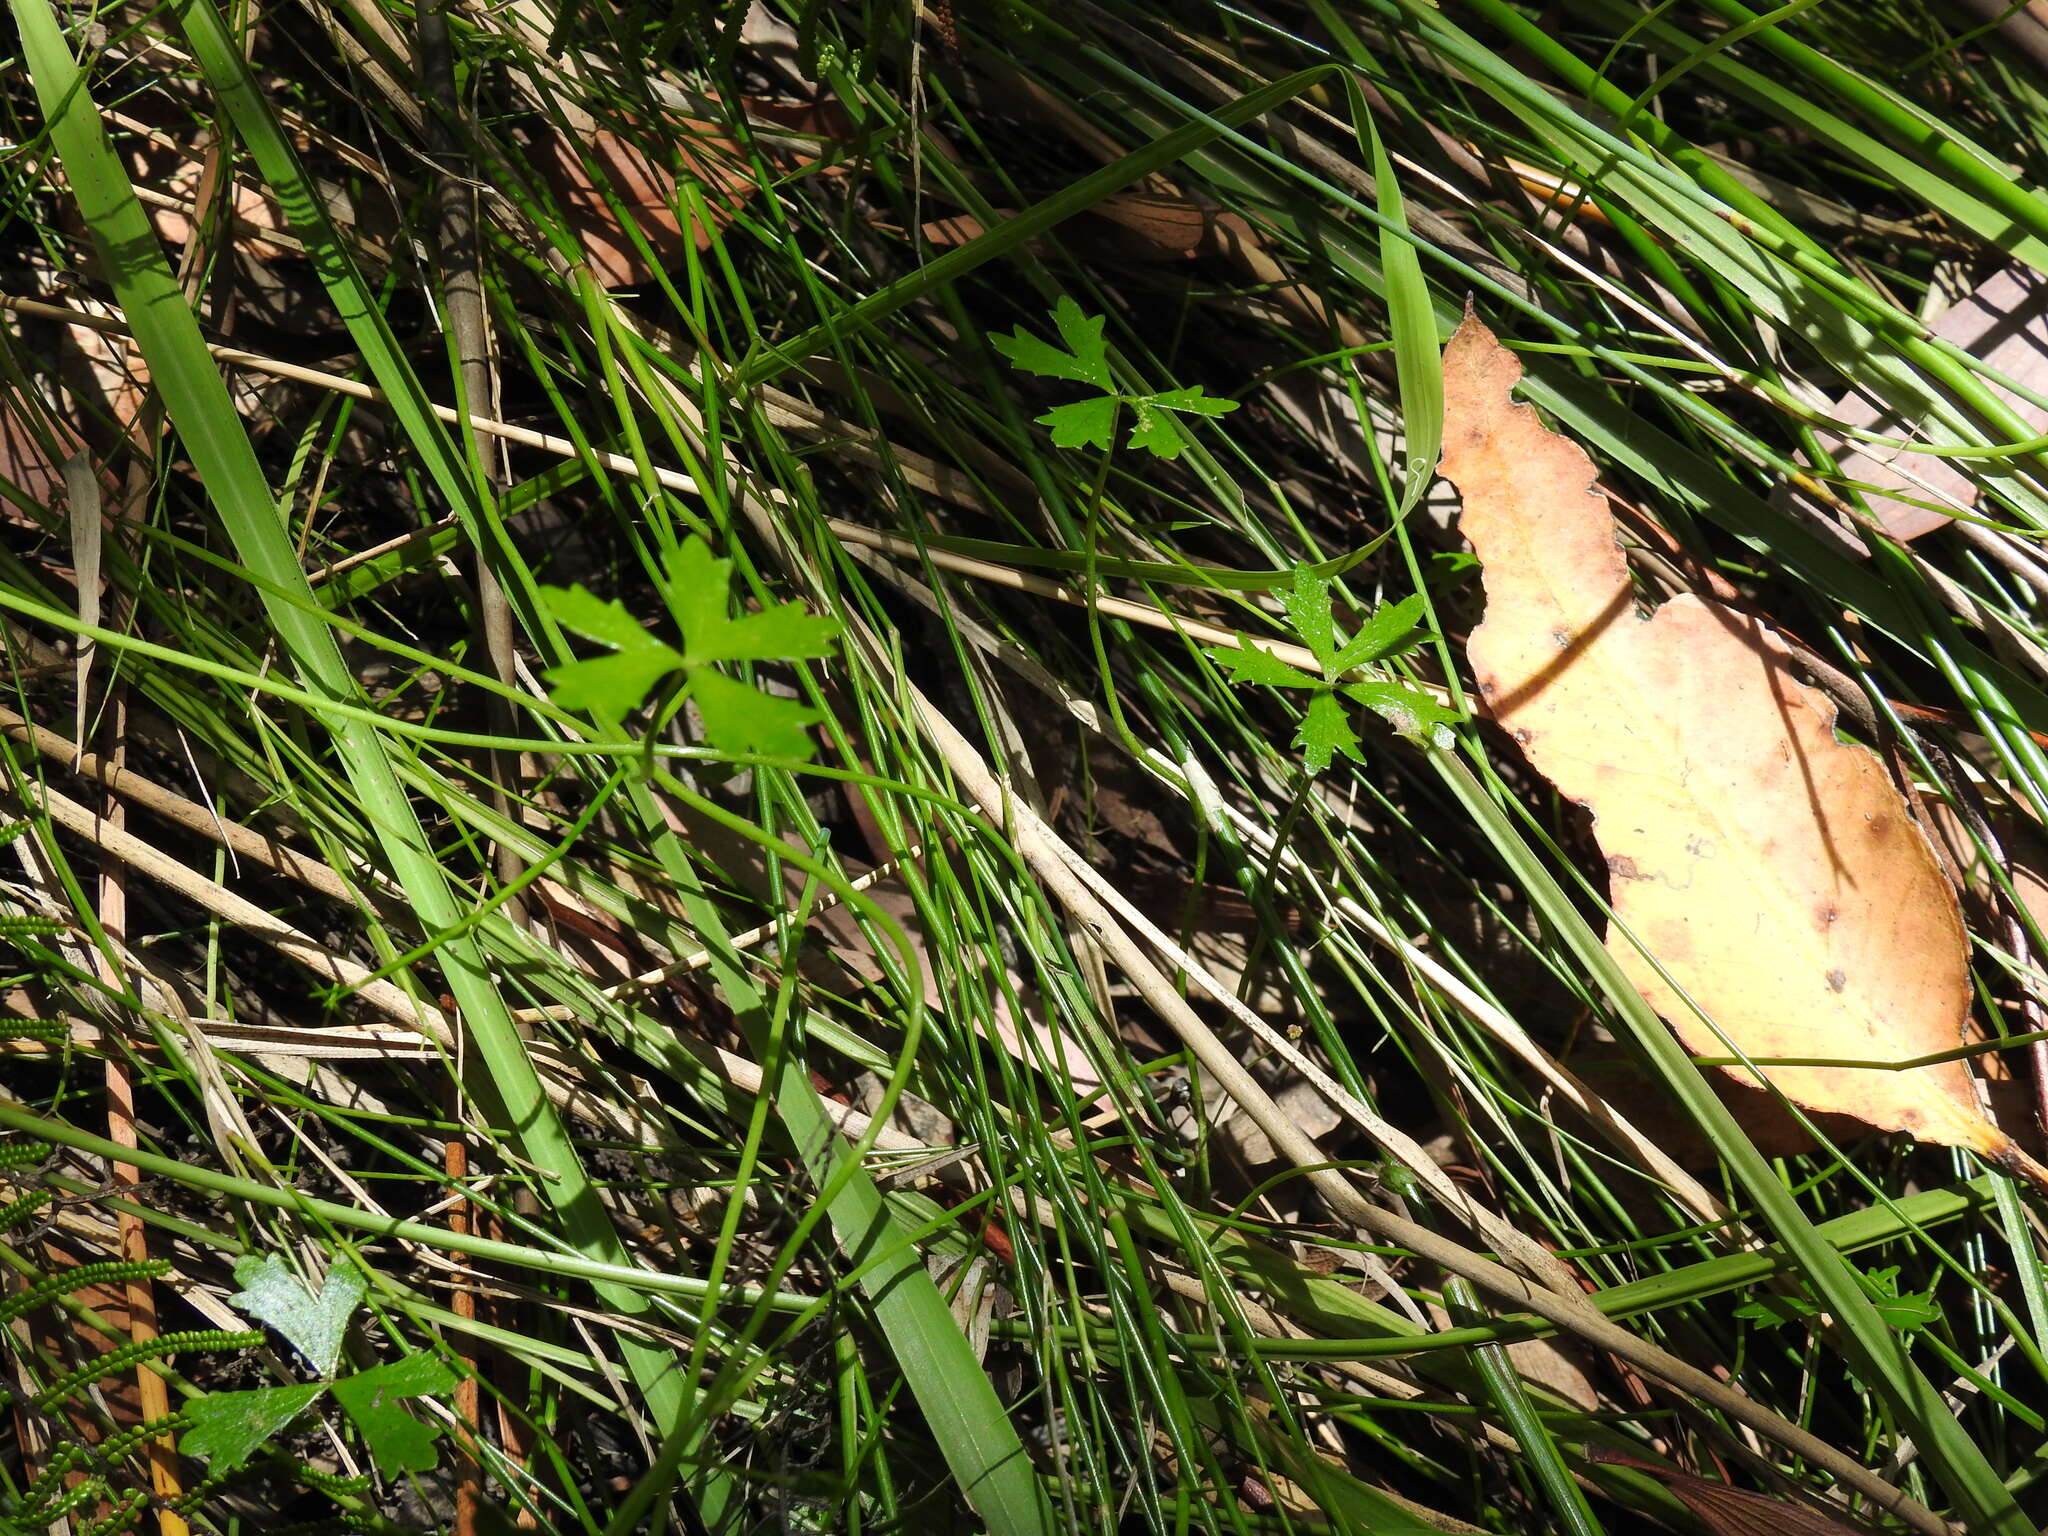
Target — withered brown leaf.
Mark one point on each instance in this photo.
(1772, 870)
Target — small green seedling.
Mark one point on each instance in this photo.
(738, 717)
(1325, 731)
(1092, 422)
(1908, 1311)
(227, 1427)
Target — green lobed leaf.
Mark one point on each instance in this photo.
(313, 1325)
(1083, 335)
(617, 684)
(1392, 629)
(1034, 355)
(740, 718)
(1776, 1310)
(699, 594)
(228, 1426)
(1155, 431)
(583, 612)
(1084, 424)
(1086, 360)
(612, 685)
(1325, 732)
(398, 1442)
(786, 632)
(1308, 609)
(1407, 710)
(699, 587)
(1193, 400)
(1248, 664)
(1908, 1312)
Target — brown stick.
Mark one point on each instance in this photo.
(469, 1476)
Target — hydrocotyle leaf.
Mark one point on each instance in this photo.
(738, 718)
(1391, 630)
(1155, 431)
(228, 1426)
(698, 588)
(1324, 732)
(1247, 663)
(1086, 360)
(1082, 333)
(615, 684)
(313, 1325)
(1084, 424)
(1764, 875)
(699, 583)
(1308, 609)
(595, 618)
(786, 632)
(1407, 710)
(398, 1442)
(1909, 1312)
(1194, 400)
(1153, 427)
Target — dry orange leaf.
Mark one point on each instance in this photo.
(2004, 321)
(646, 190)
(1772, 870)
(1133, 226)
(1727, 1511)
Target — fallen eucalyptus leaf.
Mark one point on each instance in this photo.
(1772, 870)
(2004, 322)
